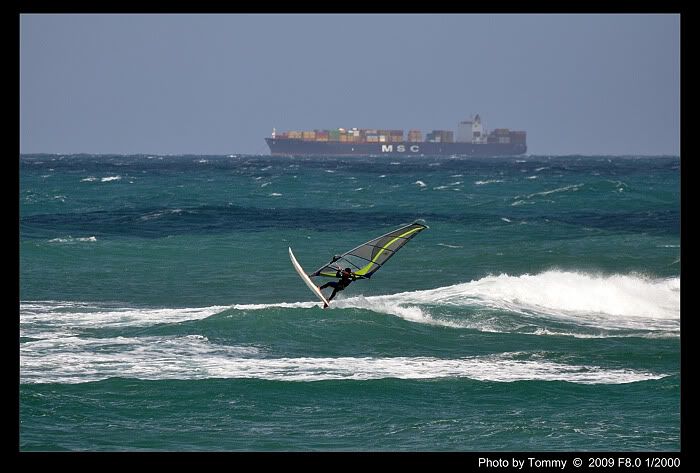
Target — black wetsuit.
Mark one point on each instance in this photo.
(345, 280)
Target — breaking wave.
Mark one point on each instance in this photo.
(549, 303)
(75, 360)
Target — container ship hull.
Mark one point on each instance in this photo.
(297, 147)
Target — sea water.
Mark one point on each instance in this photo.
(159, 310)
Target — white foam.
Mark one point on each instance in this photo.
(78, 360)
(449, 246)
(42, 317)
(159, 213)
(282, 305)
(447, 186)
(110, 178)
(384, 305)
(420, 183)
(70, 239)
(491, 181)
(573, 187)
(563, 333)
(606, 302)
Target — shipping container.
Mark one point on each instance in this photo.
(518, 137)
(415, 136)
(440, 136)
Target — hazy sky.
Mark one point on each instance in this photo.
(218, 84)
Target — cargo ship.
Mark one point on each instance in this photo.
(472, 140)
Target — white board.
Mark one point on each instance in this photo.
(306, 279)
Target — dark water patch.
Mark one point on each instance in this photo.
(158, 222)
(656, 222)
(607, 165)
(155, 222)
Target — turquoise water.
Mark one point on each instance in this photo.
(159, 310)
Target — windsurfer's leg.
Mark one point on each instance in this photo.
(335, 290)
(332, 284)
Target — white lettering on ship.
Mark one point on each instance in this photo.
(400, 148)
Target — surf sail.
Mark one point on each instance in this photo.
(366, 259)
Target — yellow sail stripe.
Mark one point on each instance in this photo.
(364, 270)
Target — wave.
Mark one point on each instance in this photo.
(449, 246)
(159, 213)
(77, 360)
(573, 187)
(48, 319)
(552, 303)
(387, 305)
(613, 302)
(557, 292)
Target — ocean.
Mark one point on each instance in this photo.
(159, 310)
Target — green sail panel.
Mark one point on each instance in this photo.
(367, 258)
